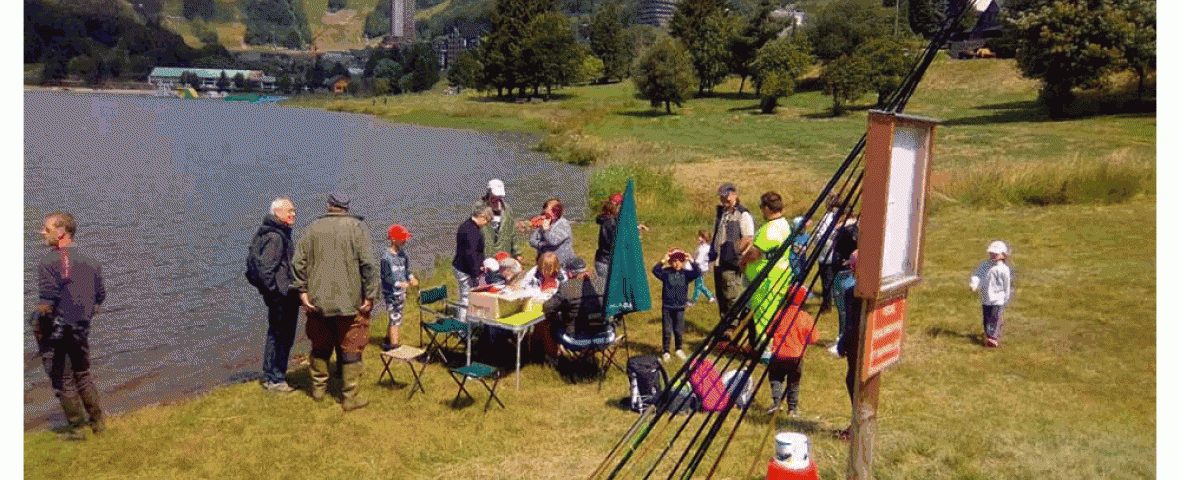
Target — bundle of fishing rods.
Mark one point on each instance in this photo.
(670, 442)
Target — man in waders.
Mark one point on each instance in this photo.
(336, 277)
(69, 291)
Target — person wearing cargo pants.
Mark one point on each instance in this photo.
(335, 272)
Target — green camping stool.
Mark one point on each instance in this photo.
(480, 372)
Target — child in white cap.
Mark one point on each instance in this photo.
(994, 275)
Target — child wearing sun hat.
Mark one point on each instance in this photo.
(993, 280)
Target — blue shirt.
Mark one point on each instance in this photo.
(395, 267)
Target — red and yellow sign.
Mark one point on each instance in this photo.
(883, 335)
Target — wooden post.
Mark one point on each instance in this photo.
(865, 396)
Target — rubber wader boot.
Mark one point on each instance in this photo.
(352, 381)
(776, 396)
(89, 395)
(75, 416)
(319, 378)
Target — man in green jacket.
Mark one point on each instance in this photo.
(336, 276)
(499, 234)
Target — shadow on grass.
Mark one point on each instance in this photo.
(652, 113)
(556, 97)
(827, 114)
(1009, 112)
(937, 332)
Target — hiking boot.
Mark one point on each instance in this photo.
(319, 378)
(351, 387)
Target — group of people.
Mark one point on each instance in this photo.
(331, 273)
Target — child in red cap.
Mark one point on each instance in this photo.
(677, 272)
(395, 278)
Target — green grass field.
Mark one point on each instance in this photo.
(1070, 395)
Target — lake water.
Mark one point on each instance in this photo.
(168, 192)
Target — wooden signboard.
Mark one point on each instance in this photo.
(898, 149)
(883, 336)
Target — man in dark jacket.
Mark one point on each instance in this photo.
(270, 252)
(336, 275)
(469, 251)
(70, 289)
(733, 235)
(575, 310)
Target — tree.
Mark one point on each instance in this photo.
(190, 78)
(337, 5)
(665, 75)
(317, 74)
(389, 70)
(759, 29)
(502, 49)
(1133, 28)
(843, 25)
(426, 67)
(608, 42)
(845, 79)
(889, 62)
(205, 34)
(119, 60)
(552, 54)
(83, 66)
(591, 69)
(926, 16)
(276, 22)
(1075, 43)
(198, 8)
(466, 72)
(705, 30)
(775, 69)
(239, 81)
(377, 22)
(223, 82)
(283, 83)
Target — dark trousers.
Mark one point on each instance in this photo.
(282, 317)
(65, 354)
(790, 369)
(827, 273)
(349, 332)
(729, 285)
(673, 327)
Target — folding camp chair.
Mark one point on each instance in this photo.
(480, 372)
(445, 332)
(408, 355)
(600, 348)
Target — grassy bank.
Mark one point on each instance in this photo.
(1070, 395)
(991, 128)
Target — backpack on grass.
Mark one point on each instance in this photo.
(647, 379)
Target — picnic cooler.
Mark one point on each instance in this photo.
(490, 306)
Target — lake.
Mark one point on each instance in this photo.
(167, 193)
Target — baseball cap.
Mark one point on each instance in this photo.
(997, 247)
(399, 233)
(725, 188)
(337, 199)
(491, 265)
(575, 266)
(496, 186)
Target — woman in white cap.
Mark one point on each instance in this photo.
(498, 234)
(994, 275)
